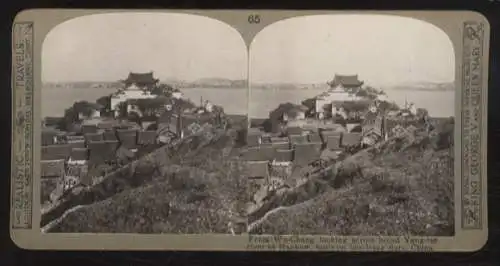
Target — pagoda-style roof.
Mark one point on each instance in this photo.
(140, 78)
(346, 81)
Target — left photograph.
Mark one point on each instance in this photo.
(143, 116)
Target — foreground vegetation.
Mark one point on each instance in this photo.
(400, 187)
(201, 196)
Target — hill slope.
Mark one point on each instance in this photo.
(398, 187)
(403, 186)
(194, 193)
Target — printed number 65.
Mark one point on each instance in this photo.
(254, 19)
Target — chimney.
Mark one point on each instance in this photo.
(179, 125)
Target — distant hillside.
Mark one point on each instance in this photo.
(216, 83)
(82, 84)
(426, 86)
(289, 86)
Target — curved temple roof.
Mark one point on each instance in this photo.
(346, 81)
(141, 78)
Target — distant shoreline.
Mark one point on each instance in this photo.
(208, 87)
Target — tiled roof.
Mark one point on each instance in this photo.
(281, 145)
(294, 131)
(310, 128)
(128, 141)
(101, 151)
(79, 154)
(89, 129)
(332, 127)
(93, 137)
(258, 169)
(305, 153)
(146, 137)
(75, 138)
(127, 137)
(254, 131)
(109, 135)
(279, 139)
(333, 142)
(314, 137)
(284, 155)
(255, 154)
(107, 124)
(346, 81)
(141, 78)
(326, 133)
(268, 152)
(77, 144)
(52, 168)
(265, 139)
(297, 139)
(351, 139)
(56, 152)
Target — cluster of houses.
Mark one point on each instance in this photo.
(69, 157)
(271, 159)
(308, 135)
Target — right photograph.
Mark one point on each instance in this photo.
(351, 127)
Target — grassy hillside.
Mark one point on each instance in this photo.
(403, 186)
(398, 187)
(202, 196)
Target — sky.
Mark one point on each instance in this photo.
(106, 47)
(381, 49)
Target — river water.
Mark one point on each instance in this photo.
(235, 100)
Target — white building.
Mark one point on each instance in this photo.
(136, 86)
(93, 111)
(177, 95)
(340, 90)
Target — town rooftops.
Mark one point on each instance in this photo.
(55, 152)
(52, 168)
(259, 169)
(141, 78)
(346, 81)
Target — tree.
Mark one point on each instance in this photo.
(151, 104)
(309, 103)
(135, 117)
(422, 112)
(356, 106)
(105, 102)
(388, 106)
(368, 92)
(164, 90)
(122, 109)
(277, 113)
(83, 107)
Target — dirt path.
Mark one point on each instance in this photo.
(303, 204)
